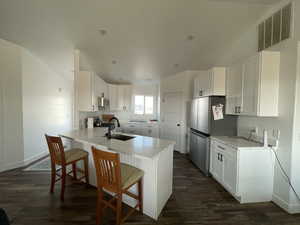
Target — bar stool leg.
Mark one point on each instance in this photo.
(86, 170)
(99, 207)
(140, 190)
(119, 209)
(74, 169)
(63, 183)
(53, 177)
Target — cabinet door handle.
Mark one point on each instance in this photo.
(93, 108)
(220, 147)
(221, 158)
(218, 156)
(200, 93)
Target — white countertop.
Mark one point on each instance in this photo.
(238, 142)
(140, 145)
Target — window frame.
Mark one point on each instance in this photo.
(144, 105)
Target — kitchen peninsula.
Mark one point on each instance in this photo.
(152, 155)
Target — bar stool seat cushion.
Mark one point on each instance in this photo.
(73, 155)
(130, 175)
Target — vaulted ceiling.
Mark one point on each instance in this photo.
(128, 40)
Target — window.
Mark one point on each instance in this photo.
(143, 105)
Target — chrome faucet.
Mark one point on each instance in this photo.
(112, 126)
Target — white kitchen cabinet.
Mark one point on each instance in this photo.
(245, 172)
(131, 128)
(120, 97)
(125, 96)
(252, 86)
(113, 93)
(234, 85)
(216, 166)
(144, 129)
(151, 130)
(90, 87)
(261, 84)
(202, 83)
(229, 161)
(211, 82)
(216, 80)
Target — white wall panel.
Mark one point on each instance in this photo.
(47, 104)
(11, 132)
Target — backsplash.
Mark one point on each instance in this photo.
(246, 124)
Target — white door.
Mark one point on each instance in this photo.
(171, 114)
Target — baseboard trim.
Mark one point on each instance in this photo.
(289, 208)
(23, 163)
(36, 157)
(12, 166)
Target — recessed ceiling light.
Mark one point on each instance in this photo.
(190, 37)
(102, 32)
(114, 62)
(176, 65)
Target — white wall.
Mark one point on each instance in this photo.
(47, 104)
(295, 165)
(246, 45)
(33, 101)
(11, 132)
(181, 82)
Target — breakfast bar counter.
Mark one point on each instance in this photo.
(152, 155)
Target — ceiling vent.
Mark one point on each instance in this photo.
(276, 28)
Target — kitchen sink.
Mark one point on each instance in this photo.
(121, 137)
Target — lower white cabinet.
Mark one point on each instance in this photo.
(245, 172)
(150, 130)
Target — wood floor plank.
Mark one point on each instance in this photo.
(196, 199)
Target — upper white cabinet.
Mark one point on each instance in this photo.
(120, 97)
(234, 88)
(261, 84)
(113, 93)
(252, 87)
(211, 82)
(90, 87)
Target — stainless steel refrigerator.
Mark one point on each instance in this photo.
(203, 126)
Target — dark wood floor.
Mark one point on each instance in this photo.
(196, 200)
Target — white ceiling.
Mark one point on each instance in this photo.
(146, 38)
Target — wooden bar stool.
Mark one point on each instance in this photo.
(64, 158)
(116, 177)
